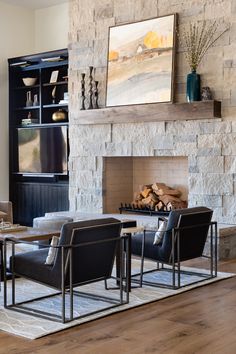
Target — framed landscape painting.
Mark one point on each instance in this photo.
(141, 62)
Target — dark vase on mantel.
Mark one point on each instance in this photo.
(193, 87)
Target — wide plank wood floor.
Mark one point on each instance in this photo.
(199, 321)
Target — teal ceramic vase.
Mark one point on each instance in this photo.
(193, 87)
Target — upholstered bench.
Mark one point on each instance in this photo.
(51, 222)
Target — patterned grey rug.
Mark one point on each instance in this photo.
(32, 327)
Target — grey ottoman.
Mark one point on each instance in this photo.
(50, 222)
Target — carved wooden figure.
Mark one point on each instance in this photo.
(96, 94)
(82, 91)
(90, 88)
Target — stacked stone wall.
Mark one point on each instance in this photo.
(209, 145)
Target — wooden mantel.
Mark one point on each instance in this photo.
(152, 112)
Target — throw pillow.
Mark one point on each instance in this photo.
(160, 233)
(52, 252)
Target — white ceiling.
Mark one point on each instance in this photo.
(35, 4)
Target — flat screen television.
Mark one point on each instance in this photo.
(43, 150)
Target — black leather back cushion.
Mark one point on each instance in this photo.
(90, 261)
(192, 240)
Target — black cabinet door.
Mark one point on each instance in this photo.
(31, 200)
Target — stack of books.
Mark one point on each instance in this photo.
(6, 227)
(27, 121)
(63, 102)
(65, 99)
(51, 59)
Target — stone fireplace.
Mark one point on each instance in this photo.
(207, 142)
(209, 148)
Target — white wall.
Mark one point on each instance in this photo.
(24, 31)
(17, 38)
(51, 28)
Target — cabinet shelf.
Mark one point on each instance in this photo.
(55, 105)
(26, 108)
(28, 125)
(55, 123)
(35, 125)
(26, 87)
(55, 83)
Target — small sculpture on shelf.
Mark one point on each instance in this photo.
(92, 91)
(36, 102)
(29, 102)
(54, 95)
(90, 88)
(206, 94)
(82, 91)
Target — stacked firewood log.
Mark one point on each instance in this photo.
(159, 197)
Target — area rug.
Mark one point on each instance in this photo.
(32, 327)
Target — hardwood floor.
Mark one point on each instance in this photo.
(201, 321)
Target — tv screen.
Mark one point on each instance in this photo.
(42, 150)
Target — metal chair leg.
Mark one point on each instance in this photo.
(5, 272)
(216, 255)
(173, 259)
(178, 258)
(128, 268)
(13, 273)
(142, 260)
(211, 251)
(63, 285)
(71, 286)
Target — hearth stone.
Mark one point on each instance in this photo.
(226, 233)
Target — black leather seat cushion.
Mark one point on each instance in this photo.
(32, 265)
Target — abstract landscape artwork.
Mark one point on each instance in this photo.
(140, 62)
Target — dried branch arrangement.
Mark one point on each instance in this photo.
(198, 40)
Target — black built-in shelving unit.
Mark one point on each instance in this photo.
(34, 195)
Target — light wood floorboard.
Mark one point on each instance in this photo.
(201, 321)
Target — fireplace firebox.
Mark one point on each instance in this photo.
(125, 177)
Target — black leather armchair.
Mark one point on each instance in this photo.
(85, 254)
(184, 239)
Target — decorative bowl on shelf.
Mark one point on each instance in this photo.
(29, 81)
